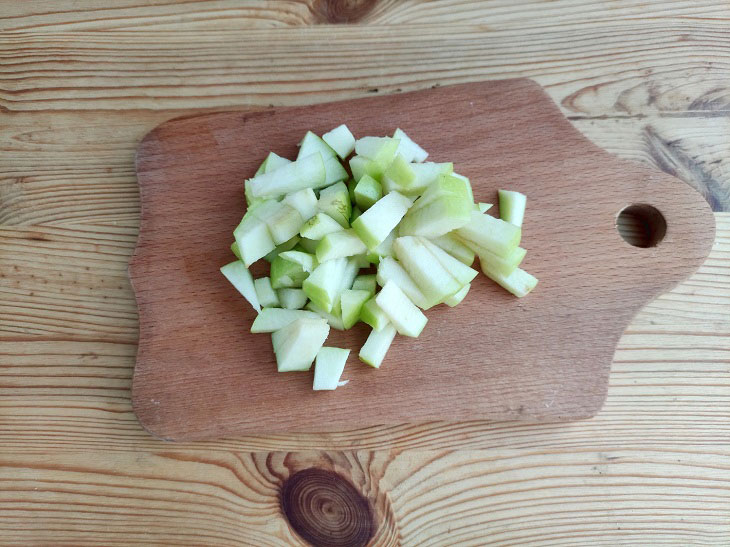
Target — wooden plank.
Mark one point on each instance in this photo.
(67, 15)
(536, 497)
(70, 391)
(628, 68)
(39, 300)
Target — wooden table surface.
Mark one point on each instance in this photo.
(82, 82)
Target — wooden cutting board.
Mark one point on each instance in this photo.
(200, 373)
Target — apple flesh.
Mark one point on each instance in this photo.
(375, 224)
(274, 319)
(328, 367)
(266, 295)
(373, 315)
(377, 345)
(409, 149)
(407, 319)
(390, 270)
(512, 206)
(324, 283)
(341, 140)
(297, 344)
(366, 192)
(351, 303)
(519, 282)
(292, 299)
(493, 234)
(335, 202)
(306, 172)
(239, 276)
(340, 244)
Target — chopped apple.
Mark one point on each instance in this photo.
(335, 202)
(273, 319)
(519, 282)
(403, 314)
(304, 201)
(286, 274)
(409, 149)
(324, 283)
(373, 315)
(512, 206)
(365, 282)
(340, 244)
(319, 226)
(492, 234)
(292, 299)
(390, 270)
(503, 265)
(374, 225)
(456, 299)
(367, 191)
(239, 276)
(328, 367)
(297, 344)
(340, 140)
(429, 275)
(307, 172)
(351, 303)
(377, 345)
(266, 295)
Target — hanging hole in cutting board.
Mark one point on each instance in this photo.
(641, 225)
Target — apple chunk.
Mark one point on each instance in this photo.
(297, 344)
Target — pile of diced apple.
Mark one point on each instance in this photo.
(396, 236)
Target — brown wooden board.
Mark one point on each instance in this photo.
(200, 373)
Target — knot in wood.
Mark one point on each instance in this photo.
(342, 11)
(325, 509)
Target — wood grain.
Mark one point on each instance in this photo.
(592, 282)
(647, 75)
(627, 69)
(67, 15)
(76, 467)
(511, 497)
